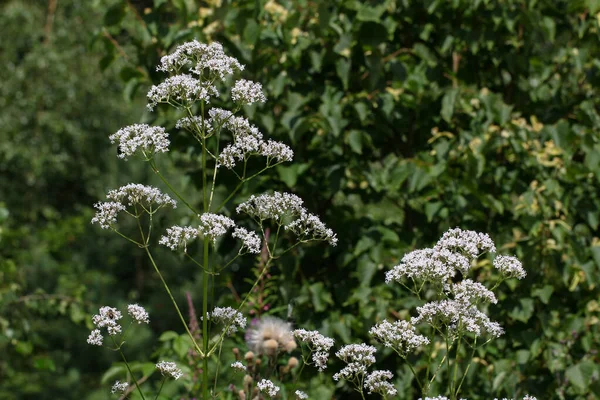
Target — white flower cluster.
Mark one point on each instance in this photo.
(272, 206)
(232, 319)
(219, 117)
(377, 382)
(106, 318)
(472, 292)
(238, 366)
(400, 336)
(213, 225)
(178, 237)
(250, 240)
(181, 90)
(138, 313)
(247, 92)
(300, 395)
(275, 151)
(119, 387)
(469, 242)
(309, 225)
(208, 61)
(135, 193)
(457, 315)
(195, 124)
(106, 216)
(167, 368)
(526, 397)
(128, 195)
(248, 141)
(285, 206)
(428, 265)
(510, 267)
(318, 344)
(202, 59)
(358, 358)
(148, 139)
(267, 387)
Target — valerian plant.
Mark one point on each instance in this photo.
(453, 310)
(452, 317)
(229, 143)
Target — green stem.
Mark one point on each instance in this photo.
(129, 239)
(431, 348)
(468, 366)
(187, 329)
(161, 386)
(200, 352)
(130, 372)
(205, 278)
(453, 393)
(157, 172)
(218, 366)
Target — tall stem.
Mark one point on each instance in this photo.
(453, 392)
(185, 325)
(130, 372)
(205, 278)
(187, 329)
(468, 366)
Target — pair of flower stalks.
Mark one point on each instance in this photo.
(451, 311)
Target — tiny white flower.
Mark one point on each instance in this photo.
(95, 338)
(377, 382)
(178, 237)
(358, 357)
(250, 240)
(232, 319)
(238, 366)
(318, 344)
(135, 193)
(148, 139)
(267, 387)
(106, 216)
(247, 92)
(167, 368)
(119, 387)
(510, 267)
(138, 313)
(300, 395)
(400, 336)
(272, 206)
(180, 91)
(214, 225)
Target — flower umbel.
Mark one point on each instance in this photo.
(167, 368)
(318, 344)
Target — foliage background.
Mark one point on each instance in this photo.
(407, 118)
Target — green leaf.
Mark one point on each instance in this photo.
(579, 375)
(168, 335)
(44, 363)
(115, 14)
(289, 174)
(543, 293)
(448, 102)
(251, 32)
(181, 345)
(342, 67)
(355, 141)
(321, 297)
(431, 208)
